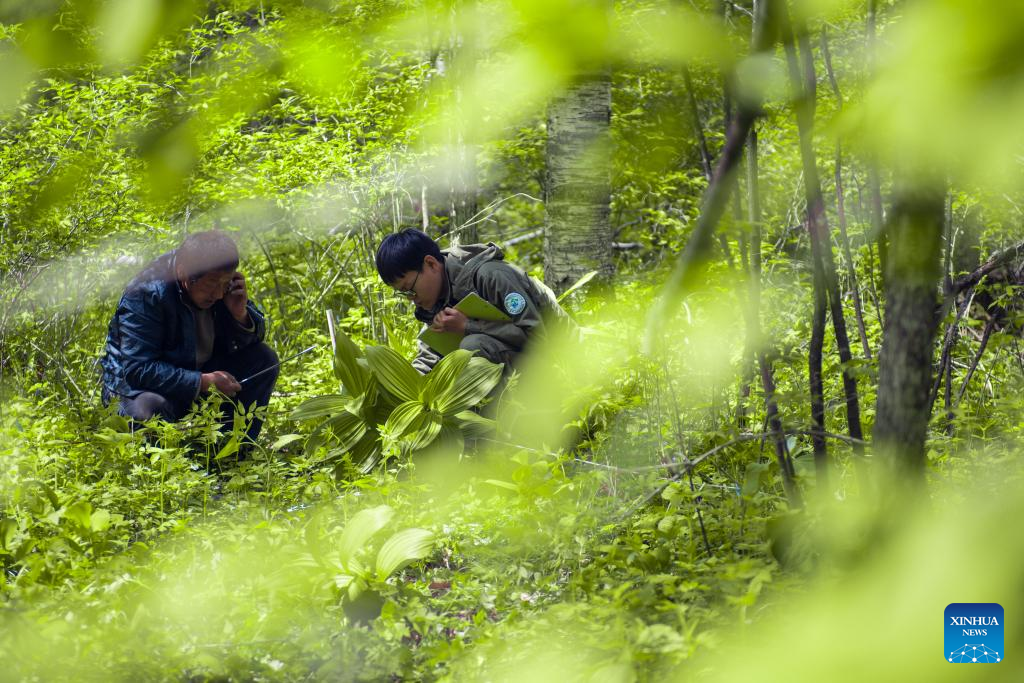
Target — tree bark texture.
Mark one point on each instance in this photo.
(905, 360)
(578, 233)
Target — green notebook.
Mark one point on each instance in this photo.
(475, 308)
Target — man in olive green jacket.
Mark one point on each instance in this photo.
(436, 280)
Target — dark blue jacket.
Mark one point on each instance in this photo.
(151, 341)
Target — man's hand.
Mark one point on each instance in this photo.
(450, 320)
(236, 299)
(221, 380)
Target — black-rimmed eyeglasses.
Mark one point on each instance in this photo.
(411, 292)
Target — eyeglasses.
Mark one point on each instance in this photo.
(411, 292)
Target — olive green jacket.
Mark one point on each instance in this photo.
(481, 268)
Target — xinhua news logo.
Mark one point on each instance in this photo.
(974, 633)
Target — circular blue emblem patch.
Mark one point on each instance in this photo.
(515, 303)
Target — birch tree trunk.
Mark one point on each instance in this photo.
(577, 234)
(463, 186)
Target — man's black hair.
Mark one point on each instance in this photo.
(207, 252)
(403, 251)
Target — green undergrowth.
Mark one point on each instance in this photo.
(146, 555)
(158, 555)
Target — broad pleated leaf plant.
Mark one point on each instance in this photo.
(402, 549)
(384, 400)
(394, 373)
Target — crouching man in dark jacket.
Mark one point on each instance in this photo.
(436, 280)
(184, 327)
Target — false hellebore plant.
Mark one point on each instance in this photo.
(385, 403)
(358, 576)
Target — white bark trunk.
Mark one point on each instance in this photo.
(577, 235)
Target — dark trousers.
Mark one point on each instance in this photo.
(241, 364)
(490, 348)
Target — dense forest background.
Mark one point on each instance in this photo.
(786, 441)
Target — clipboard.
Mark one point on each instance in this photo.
(475, 308)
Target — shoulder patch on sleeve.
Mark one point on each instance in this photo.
(515, 303)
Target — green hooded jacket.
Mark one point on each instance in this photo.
(481, 268)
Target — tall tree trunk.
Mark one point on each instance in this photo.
(804, 103)
(578, 234)
(817, 222)
(905, 359)
(858, 308)
(754, 207)
(752, 266)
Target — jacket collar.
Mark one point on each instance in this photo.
(460, 266)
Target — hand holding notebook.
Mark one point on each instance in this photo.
(474, 308)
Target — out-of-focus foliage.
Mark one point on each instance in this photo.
(946, 69)
(574, 541)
